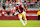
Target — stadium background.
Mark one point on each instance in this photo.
(32, 17)
(31, 12)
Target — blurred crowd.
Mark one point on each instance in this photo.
(9, 7)
(30, 3)
(34, 4)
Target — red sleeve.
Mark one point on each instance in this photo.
(20, 7)
(16, 7)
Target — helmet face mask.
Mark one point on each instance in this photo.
(17, 5)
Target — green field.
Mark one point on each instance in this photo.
(17, 23)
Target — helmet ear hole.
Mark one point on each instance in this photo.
(17, 4)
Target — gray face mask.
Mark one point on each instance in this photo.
(17, 5)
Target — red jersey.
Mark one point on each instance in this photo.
(16, 7)
(21, 9)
